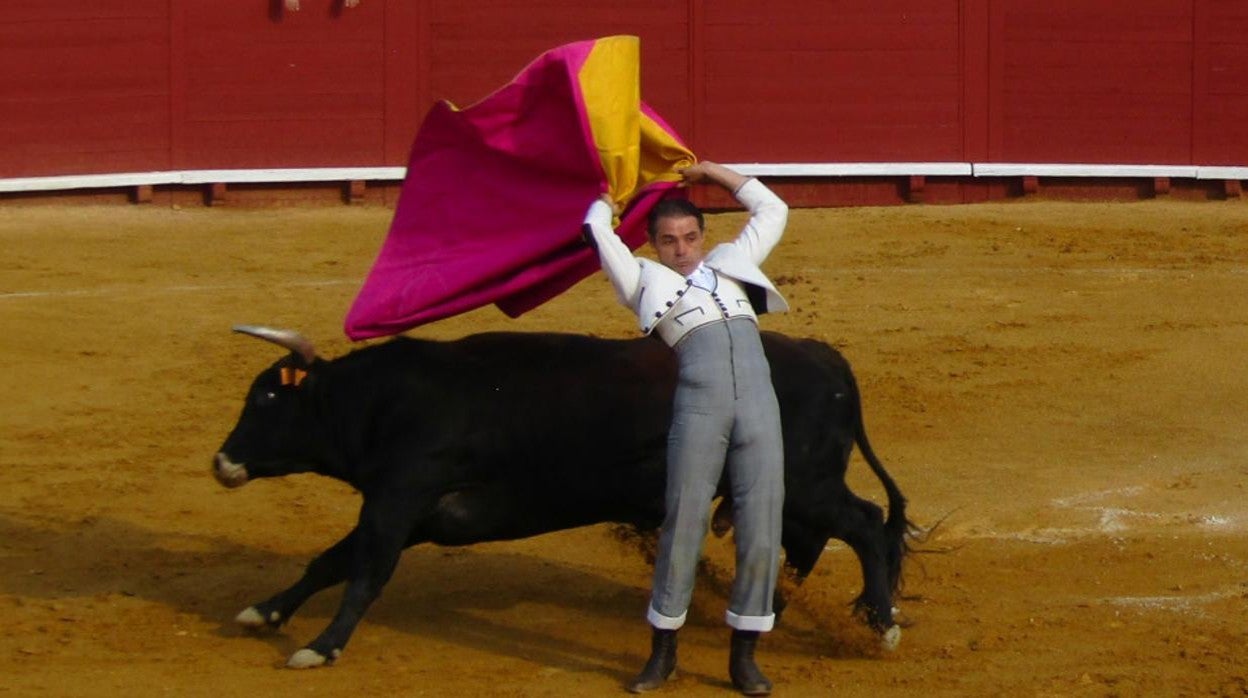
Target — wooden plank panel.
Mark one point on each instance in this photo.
(1224, 22)
(1226, 68)
(695, 103)
(859, 133)
(1097, 21)
(930, 30)
(84, 88)
(819, 78)
(1111, 141)
(62, 12)
(1099, 70)
(224, 144)
(973, 51)
(1094, 81)
(177, 85)
(528, 14)
(1220, 102)
(299, 89)
(832, 81)
(996, 82)
(406, 78)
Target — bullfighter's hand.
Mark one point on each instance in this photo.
(707, 171)
(615, 206)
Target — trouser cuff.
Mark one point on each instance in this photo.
(760, 624)
(663, 622)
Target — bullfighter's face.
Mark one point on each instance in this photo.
(678, 241)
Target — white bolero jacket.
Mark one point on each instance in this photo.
(666, 302)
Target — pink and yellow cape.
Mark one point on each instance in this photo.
(491, 207)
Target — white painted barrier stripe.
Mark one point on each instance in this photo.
(754, 169)
(854, 169)
(132, 179)
(1005, 169)
(1222, 173)
(100, 181)
(307, 174)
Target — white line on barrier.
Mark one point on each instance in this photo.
(1029, 271)
(774, 169)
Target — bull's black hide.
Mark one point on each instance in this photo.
(505, 435)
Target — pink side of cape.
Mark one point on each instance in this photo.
(491, 207)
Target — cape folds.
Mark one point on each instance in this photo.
(491, 208)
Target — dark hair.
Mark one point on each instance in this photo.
(674, 207)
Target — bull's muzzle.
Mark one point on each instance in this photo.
(228, 472)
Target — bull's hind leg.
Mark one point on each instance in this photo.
(861, 525)
(325, 570)
(831, 509)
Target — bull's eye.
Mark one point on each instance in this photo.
(266, 398)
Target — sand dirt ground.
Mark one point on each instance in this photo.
(1062, 385)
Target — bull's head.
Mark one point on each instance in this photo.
(275, 434)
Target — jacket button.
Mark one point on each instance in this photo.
(669, 304)
(658, 314)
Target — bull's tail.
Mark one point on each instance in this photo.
(896, 526)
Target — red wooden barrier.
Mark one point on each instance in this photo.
(84, 87)
(173, 85)
(1091, 81)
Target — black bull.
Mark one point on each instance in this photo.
(506, 435)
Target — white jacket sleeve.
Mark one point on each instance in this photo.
(618, 262)
(768, 216)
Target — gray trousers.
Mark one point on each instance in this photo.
(725, 414)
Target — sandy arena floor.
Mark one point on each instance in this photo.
(1063, 385)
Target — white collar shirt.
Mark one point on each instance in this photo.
(703, 277)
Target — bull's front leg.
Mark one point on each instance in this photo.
(802, 548)
(325, 570)
(379, 540)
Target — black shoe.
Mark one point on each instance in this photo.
(661, 664)
(741, 667)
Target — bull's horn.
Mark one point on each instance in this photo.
(283, 338)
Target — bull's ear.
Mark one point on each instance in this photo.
(300, 348)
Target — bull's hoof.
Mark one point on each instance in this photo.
(306, 659)
(890, 638)
(251, 618)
